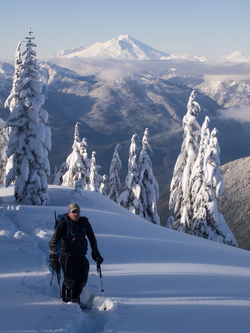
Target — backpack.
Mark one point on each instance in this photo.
(58, 220)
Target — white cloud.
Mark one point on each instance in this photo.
(226, 77)
(104, 69)
(81, 67)
(241, 114)
(113, 69)
(117, 70)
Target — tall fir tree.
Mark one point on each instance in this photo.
(207, 221)
(30, 138)
(130, 198)
(114, 179)
(180, 189)
(149, 194)
(94, 178)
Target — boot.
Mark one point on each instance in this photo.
(75, 299)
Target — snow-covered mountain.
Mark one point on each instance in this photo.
(227, 90)
(155, 280)
(234, 203)
(122, 47)
(6, 73)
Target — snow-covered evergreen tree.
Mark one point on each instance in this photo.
(207, 221)
(3, 147)
(114, 179)
(94, 179)
(29, 139)
(180, 189)
(130, 198)
(75, 162)
(149, 194)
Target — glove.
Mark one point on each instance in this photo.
(97, 257)
(54, 262)
(100, 260)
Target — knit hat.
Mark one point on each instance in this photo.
(73, 207)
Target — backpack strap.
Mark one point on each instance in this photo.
(69, 228)
(71, 233)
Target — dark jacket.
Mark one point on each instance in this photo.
(74, 242)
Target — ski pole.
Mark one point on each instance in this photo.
(52, 277)
(100, 272)
(59, 284)
(58, 273)
(58, 281)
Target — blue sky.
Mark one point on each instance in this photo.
(212, 28)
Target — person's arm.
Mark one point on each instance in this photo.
(53, 253)
(58, 234)
(93, 243)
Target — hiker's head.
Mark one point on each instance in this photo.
(74, 212)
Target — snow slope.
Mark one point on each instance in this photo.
(155, 279)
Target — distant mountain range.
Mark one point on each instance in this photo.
(117, 97)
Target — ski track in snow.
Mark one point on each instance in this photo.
(32, 283)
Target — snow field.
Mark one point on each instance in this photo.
(155, 279)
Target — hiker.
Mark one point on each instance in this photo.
(72, 231)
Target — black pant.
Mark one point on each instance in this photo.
(75, 272)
